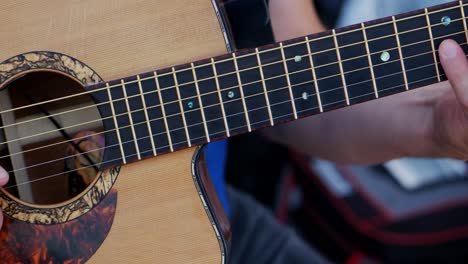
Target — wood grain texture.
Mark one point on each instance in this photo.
(116, 38)
(160, 217)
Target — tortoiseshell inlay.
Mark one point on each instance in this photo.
(72, 242)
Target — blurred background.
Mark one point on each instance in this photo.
(404, 211)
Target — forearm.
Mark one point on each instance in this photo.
(294, 18)
(368, 133)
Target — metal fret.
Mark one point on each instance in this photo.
(158, 87)
(176, 82)
(432, 43)
(340, 64)
(314, 75)
(228, 134)
(202, 110)
(116, 124)
(145, 109)
(267, 100)
(288, 81)
(129, 112)
(464, 19)
(397, 37)
(370, 60)
(246, 113)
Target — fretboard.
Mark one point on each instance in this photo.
(196, 103)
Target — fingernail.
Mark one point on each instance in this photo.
(449, 49)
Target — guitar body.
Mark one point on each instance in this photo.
(157, 210)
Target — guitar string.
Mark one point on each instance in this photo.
(205, 107)
(250, 110)
(265, 51)
(213, 92)
(187, 112)
(244, 84)
(266, 120)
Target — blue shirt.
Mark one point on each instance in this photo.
(216, 154)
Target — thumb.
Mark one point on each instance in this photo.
(455, 65)
(3, 181)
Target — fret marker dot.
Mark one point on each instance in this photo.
(446, 20)
(305, 96)
(231, 94)
(190, 105)
(297, 59)
(385, 56)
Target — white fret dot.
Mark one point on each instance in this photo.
(297, 59)
(446, 20)
(231, 94)
(305, 96)
(385, 56)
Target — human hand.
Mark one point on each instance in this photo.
(450, 124)
(3, 180)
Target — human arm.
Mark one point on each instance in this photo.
(415, 123)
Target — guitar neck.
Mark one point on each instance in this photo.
(178, 107)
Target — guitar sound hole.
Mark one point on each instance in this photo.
(51, 138)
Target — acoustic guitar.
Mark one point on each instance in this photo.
(105, 86)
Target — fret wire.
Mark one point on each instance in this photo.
(400, 52)
(432, 43)
(371, 67)
(163, 111)
(241, 92)
(220, 97)
(340, 64)
(218, 118)
(132, 127)
(145, 109)
(202, 110)
(362, 56)
(265, 91)
(262, 51)
(314, 75)
(116, 124)
(285, 65)
(464, 19)
(174, 75)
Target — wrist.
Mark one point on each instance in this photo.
(425, 135)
